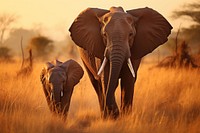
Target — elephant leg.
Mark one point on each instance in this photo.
(127, 91)
(110, 106)
(127, 86)
(98, 88)
(111, 109)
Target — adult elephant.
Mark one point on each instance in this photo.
(117, 40)
(58, 82)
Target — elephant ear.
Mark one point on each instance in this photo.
(74, 72)
(57, 62)
(86, 31)
(152, 30)
(49, 65)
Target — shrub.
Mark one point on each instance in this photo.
(5, 53)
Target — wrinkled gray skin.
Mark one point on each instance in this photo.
(58, 82)
(120, 39)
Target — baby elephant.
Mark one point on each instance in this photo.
(58, 82)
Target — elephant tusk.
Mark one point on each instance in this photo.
(102, 66)
(61, 93)
(131, 67)
(51, 96)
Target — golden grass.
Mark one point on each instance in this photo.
(165, 101)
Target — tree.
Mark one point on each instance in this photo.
(42, 46)
(6, 20)
(14, 40)
(191, 11)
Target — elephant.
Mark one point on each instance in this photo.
(58, 80)
(111, 44)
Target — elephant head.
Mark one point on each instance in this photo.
(58, 82)
(118, 37)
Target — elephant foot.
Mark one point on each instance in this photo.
(126, 110)
(111, 113)
(64, 117)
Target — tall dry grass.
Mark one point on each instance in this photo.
(165, 101)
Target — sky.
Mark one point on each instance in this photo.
(54, 17)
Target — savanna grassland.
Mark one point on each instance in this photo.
(165, 101)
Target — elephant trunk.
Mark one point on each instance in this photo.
(66, 99)
(57, 97)
(117, 57)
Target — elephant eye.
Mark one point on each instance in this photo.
(131, 38)
(131, 34)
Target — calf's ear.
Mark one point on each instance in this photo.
(74, 72)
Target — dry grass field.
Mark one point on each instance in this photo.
(165, 101)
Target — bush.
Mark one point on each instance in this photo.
(182, 58)
(5, 53)
(42, 47)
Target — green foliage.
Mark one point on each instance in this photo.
(5, 53)
(42, 47)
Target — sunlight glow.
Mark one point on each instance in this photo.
(56, 16)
